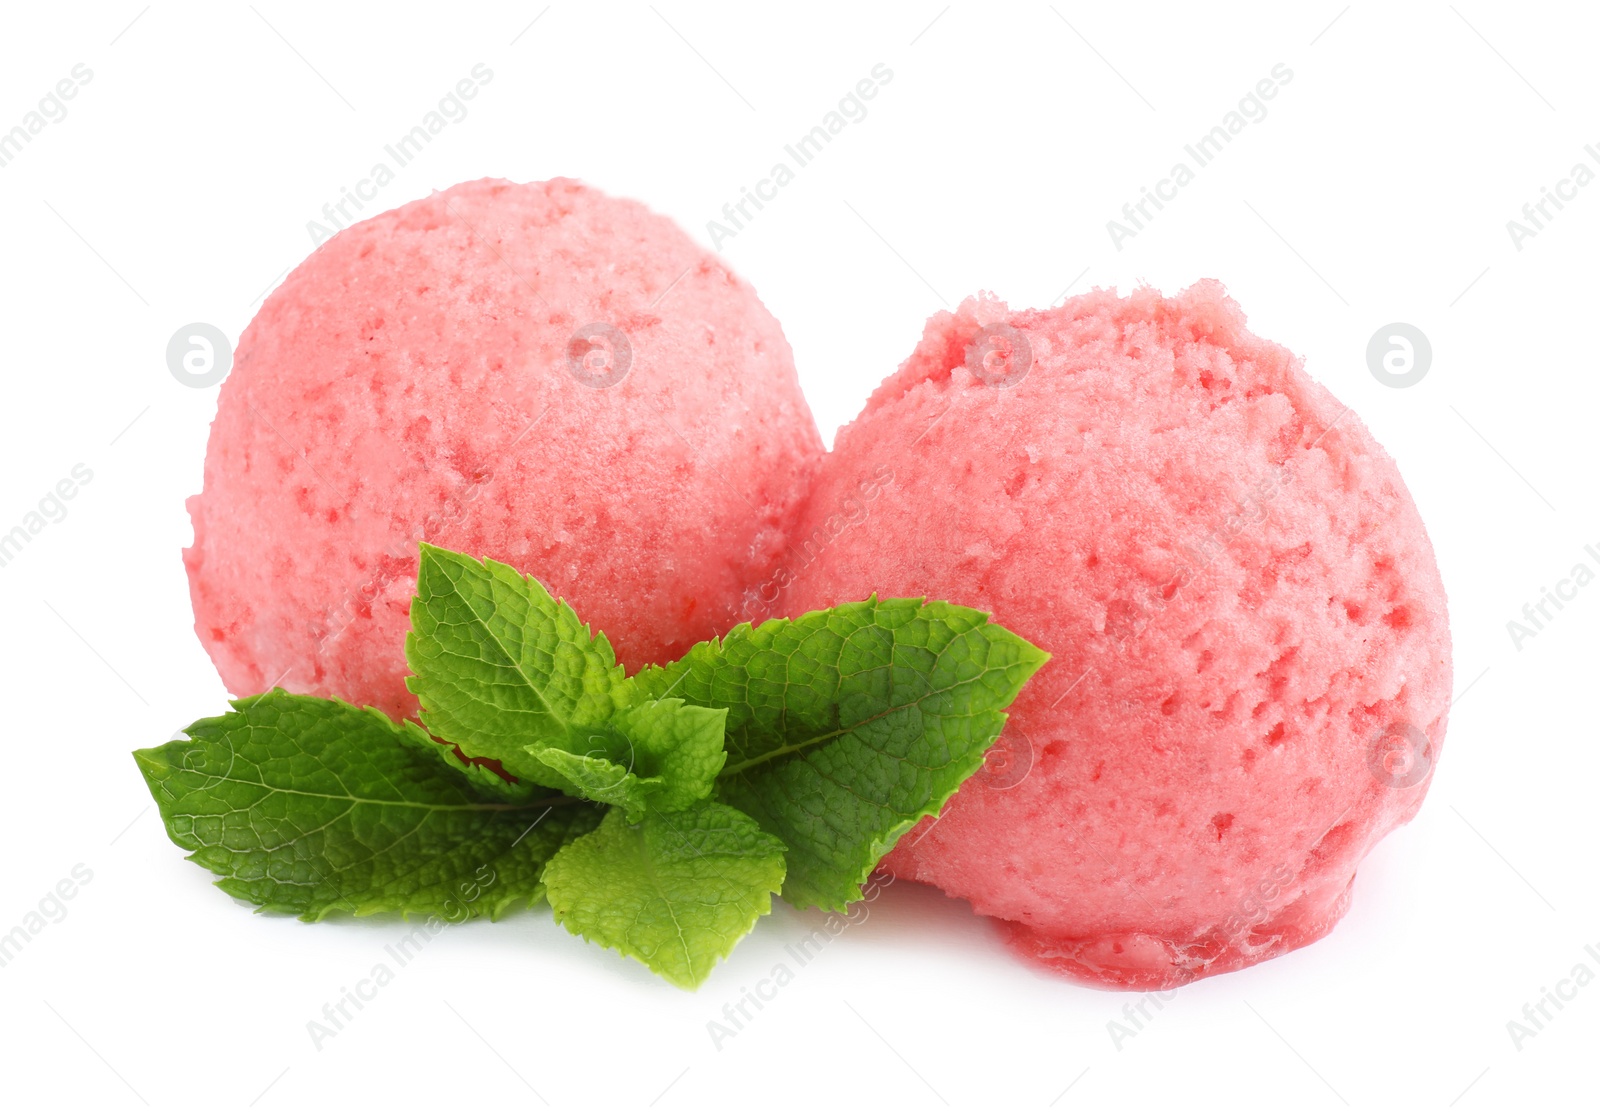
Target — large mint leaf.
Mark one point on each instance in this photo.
(847, 726)
(676, 891)
(498, 664)
(313, 806)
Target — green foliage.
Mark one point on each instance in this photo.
(658, 814)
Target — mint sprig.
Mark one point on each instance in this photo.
(658, 813)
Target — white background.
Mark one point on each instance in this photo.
(1377, 189)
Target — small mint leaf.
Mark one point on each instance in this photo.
(677, 742)
(499, 663)
(599, 779)
(676, 891)
(662, 753)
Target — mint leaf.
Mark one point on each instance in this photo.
(677, 742)
(662, 753)
(499, 663)
(847, 726)
(313, 806)
(599, 779)
(676, 891)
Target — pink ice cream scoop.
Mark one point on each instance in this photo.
(1251, 665)
(540, 374)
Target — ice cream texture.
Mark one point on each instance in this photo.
(540, 374)
(1251, 656)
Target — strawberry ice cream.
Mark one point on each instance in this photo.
(1251, 656)
(540, 374)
